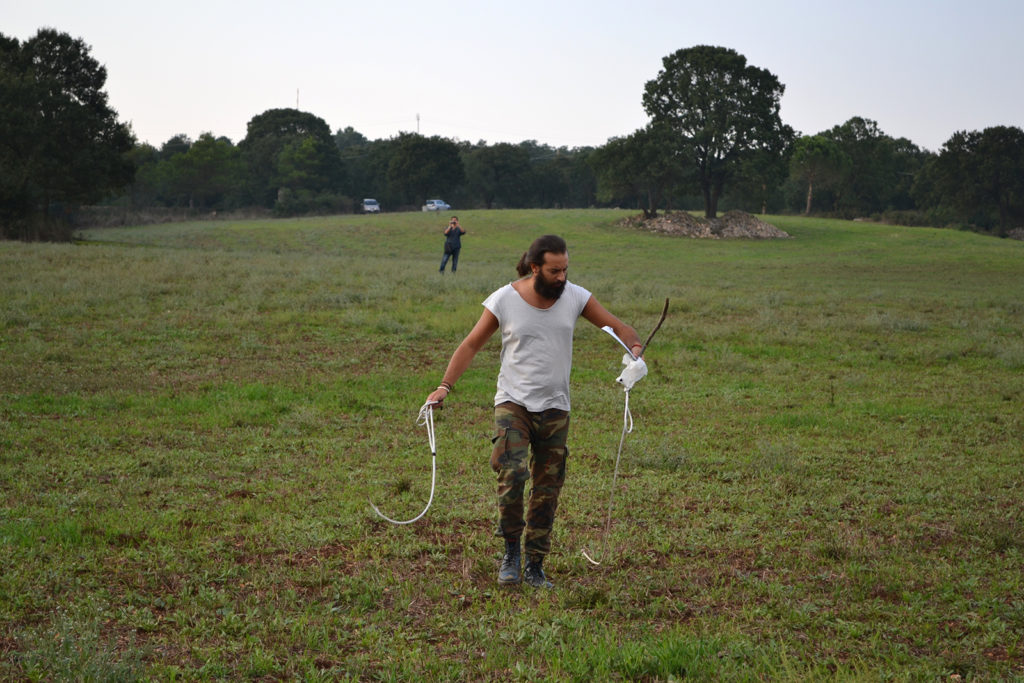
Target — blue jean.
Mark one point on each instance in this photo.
(455, 260)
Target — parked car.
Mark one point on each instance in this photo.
(371, 206)
(436, 205)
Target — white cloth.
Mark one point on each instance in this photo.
(536, 347)
(634, 371)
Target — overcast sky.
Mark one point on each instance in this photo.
(564, 73)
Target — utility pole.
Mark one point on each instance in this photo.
(417, 123)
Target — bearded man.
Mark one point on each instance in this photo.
(537, 315)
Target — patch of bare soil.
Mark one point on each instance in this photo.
(730, 225)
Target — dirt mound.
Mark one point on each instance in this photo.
(730, 225)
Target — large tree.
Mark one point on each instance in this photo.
(880, 168)
(287, 149)
(420, 166)
(498, 173)
(549, 178)
(817, 162)
(980, 175)
(642, 167)
(720, 109)
(61, 144)
(207, 174)
(579, 179)
(158, 173)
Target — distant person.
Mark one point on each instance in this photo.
(536, 316)
(452, 243)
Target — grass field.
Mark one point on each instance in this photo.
(825, 479)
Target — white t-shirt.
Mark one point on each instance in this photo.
(536, 347)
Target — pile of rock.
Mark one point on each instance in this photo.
(732, 224)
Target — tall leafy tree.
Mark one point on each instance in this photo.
(287, 149)
(143, 189)
(208, 174)
(758, 184)
(720, 109)
(580, 179)
(549, 180)
(498, 173)
(158, 173)
(880, 168)
(420, 166)
(617, 181)
(817, 162)
(981, 176)
(642, 167)
(908, 161)
(299, 166)
(372, 171)
(361, 166)
(61, 144)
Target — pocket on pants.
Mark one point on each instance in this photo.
(500, 441)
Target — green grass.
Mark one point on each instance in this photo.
(824, 481)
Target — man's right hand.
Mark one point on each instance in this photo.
(437, 396)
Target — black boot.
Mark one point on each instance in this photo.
(534, 573)
(509, 573)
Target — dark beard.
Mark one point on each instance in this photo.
(548, 290)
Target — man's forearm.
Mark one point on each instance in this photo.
(458, 364)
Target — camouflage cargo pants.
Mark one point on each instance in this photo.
(518, 432)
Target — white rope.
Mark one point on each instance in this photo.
(627, 428)
(426, 417)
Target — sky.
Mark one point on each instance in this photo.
(565, 73)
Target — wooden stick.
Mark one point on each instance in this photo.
(664, 313)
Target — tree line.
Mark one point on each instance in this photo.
(290, 163)
(715, 140)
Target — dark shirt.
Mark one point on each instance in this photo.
(453, 240)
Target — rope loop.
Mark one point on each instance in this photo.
(627, 417)
(425, 418)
